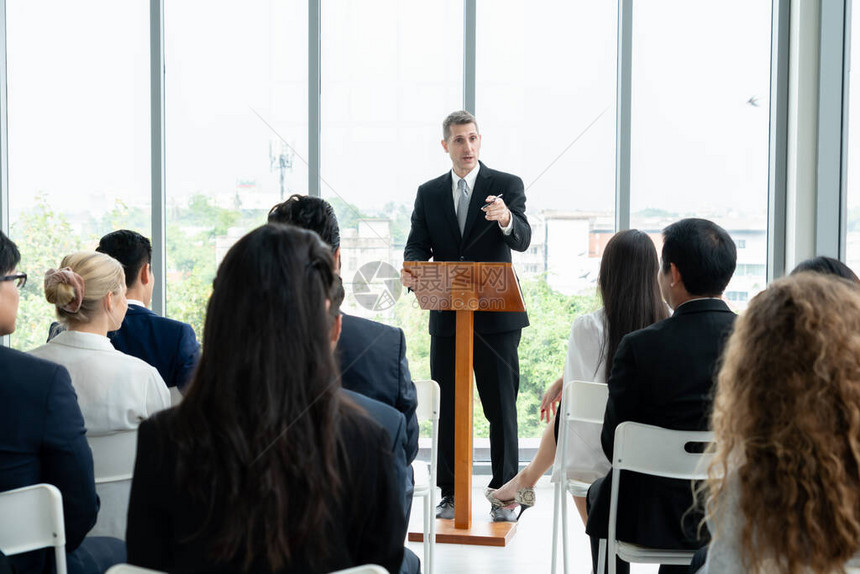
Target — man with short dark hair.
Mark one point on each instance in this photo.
(168, 345)
(664, 375)
(43, 439)
(473, 213)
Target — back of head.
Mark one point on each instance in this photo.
(787, 423)
(78, 288)
(9, 255)
(703, 253)
(826, 266)
(629, 288)
(311, 213)
(257, 433)
(458, 118)
(130, 248)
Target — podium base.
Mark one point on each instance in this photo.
(481, 533)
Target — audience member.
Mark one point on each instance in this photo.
(394, 423)
(785, 484)
(826, 266)
(168, 345)
(631, 300)
(42, 439)
(372, 355)
(663, 375)
(266, 466)
(115, 391)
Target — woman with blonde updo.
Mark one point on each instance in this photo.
(115, 391)
(784, 489)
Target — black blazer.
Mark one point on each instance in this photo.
(168, 345)
(367, 525)
(435, 234)
(662, 375)
(373, 363)
(42, 439)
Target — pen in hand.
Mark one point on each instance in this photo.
(484, 208)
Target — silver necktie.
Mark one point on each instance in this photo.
(462, 205)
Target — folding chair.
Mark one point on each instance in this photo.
(32, 518)
(113, 464)
(424, 473)
(366, 569)
(581, 401)
(655, 451)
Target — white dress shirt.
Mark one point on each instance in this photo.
(470, 186)
(115, 391)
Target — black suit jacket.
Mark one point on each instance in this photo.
(662, 375)
(373, 363)
(168, 345)
(42, 439)
(435, 234)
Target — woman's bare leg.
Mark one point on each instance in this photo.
(579, 501)
(529, 476)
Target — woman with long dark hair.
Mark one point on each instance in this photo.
(784, 488)
(265, 466)
(631, 300)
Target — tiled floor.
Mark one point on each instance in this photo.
(530, 551)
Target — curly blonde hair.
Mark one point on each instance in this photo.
(787, 425)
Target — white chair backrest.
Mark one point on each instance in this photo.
(585, 401)
(113, 455)
(32, 518)
(428, 400)
(366, 569)
(661, 452)
(129, 569)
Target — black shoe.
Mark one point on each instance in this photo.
(502, 514)
(445, 509)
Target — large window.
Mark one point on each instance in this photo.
(545, 100)
(391, 71)
(852, 240)
(236, 132)
(699, 132)
(78, 85)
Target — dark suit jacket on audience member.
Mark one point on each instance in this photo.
(395, 425)
(373, 363)
(168, 345)
(367, 526)
(661, 375)
(42, 439)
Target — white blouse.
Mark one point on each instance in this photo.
(115, 391)
(585, 362)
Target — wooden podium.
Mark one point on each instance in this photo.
(464, 288)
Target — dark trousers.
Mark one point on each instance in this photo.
(497, 376)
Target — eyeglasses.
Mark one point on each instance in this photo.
(21, 279)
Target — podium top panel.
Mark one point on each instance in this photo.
(466, 286)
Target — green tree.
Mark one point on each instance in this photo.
(43, 237)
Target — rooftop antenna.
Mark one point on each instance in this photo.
(282, 161)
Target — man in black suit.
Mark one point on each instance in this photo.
(473, 213)
(43, 440)
(664, 375)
